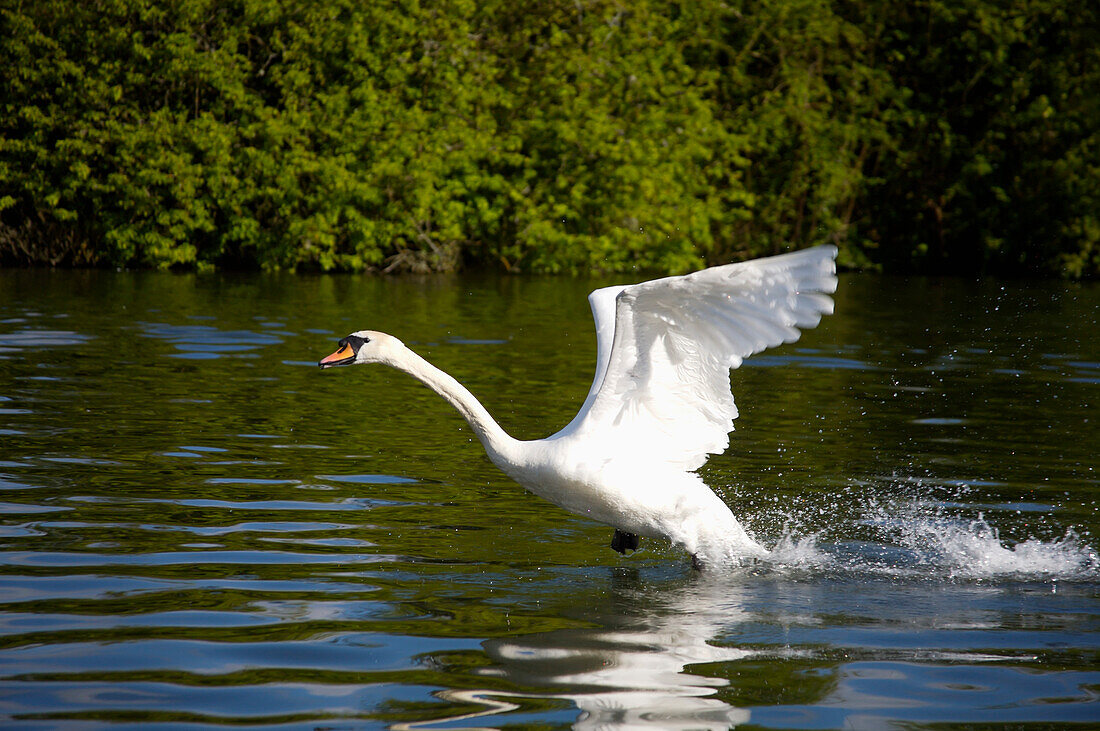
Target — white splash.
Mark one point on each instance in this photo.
(793, 551)
(921, 538)
(974, 549)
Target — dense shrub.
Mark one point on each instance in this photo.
(996, 156)
(557, 136)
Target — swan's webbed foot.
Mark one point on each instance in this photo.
(623, 542)
(696, 563)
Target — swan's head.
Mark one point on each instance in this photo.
(365, 346)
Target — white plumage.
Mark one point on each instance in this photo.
(660, 401)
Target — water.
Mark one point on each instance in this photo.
(200, 529)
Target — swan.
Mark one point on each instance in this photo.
(660, 401)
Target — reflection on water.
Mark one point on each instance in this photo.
(659, 656)
(197, 528)
(635, 675)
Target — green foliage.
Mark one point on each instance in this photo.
(565, 136)
(616, 147)
(997, 158)
(798, 84)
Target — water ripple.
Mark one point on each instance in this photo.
(207, 341)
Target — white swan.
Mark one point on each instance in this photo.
(660, 401)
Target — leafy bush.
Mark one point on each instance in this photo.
(996, 157)
(560, 136)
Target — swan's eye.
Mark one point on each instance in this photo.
(355, 342)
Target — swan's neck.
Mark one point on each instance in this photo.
(502, 449)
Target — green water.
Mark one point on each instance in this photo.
(199, 528)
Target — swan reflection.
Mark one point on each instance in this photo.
(631, 673)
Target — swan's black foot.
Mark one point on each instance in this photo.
(696, 563)
(623, 542)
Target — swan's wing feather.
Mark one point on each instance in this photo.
(602, 302)
(664, 387)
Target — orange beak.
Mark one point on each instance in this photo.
(344, 356)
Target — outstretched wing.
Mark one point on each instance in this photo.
(662, 385)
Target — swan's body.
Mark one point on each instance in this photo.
(660, 401)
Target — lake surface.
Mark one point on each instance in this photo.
(199, 528)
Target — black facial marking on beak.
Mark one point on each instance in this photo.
(349, 348)
(355, 342)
